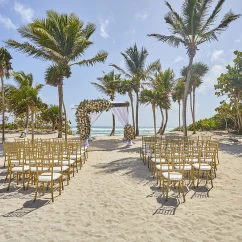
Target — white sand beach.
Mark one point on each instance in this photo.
(114, 198)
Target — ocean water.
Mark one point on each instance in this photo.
(119, 131)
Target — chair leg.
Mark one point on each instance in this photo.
(52, 192)
(60, 186)
(10, 177)
(43, 188)
(36, 190)
(167, 188)
(183, 191)
(23, 180)
(198, 177)
(211, 178)
(7, 175)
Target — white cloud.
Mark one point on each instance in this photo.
(7, 22)
(217, 55)
(103, 28)
(26, 13)
(141, 16)
(211, 78)
(237, 40)
(178, 59)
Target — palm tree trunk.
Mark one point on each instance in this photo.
(193, 111)
(166, 120)
(64, 108)
(238, 114)
(162, 121)
(191, 107)
(191, 102)
(113, 129)
(27, 120)
(137, 114)
(32, 120)
(154, 116)
(132, 107)
(179, 105)
(60, 94)
(226, 124)
(3, 112)
(191, 54)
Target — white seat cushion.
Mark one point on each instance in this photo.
(14, 162)
(194, 160)
(29, 161)
(174, 176)
(158, 160)
(207, 160)
(47, 177)
(68, 162)
(73, 157)
(58, 168)
(153, 155)
(187, 167)
(163, 167)
(203, 167)
(33, 169)
(20, 168)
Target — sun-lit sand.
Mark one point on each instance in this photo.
(114, 198)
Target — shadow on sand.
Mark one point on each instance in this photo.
(27, 208)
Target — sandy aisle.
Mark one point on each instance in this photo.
(113, 198)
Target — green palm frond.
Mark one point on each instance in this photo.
(121, 70)
(100, 57)
(100, 88)
(5, 63)
(213, 34)
(171, 40)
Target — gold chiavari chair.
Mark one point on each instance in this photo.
(59, 167)
(16, 166)
(173, 176)
(157, 156)
(46, 175)
(203, 166)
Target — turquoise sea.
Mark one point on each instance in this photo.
(106, 130)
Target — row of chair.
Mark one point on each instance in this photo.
(170, 160)
(43, 162)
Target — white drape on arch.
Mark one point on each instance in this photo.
(94, 116)
(122, 114)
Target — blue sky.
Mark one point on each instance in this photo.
(120, 24)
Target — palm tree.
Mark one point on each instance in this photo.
(25, 96)
(109, 86)
(50, 114)
(193, 27)
(150, 97)
(198, 71)
(177, 95)
(126, 86)
(163, 81)
(23, 80)
(61, 39)
(135, 62)
(5, 67)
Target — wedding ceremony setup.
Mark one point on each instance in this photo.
(121, 121)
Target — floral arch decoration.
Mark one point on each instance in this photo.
(82, 114)
(98, 105)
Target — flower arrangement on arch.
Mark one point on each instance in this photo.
(129, 132)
